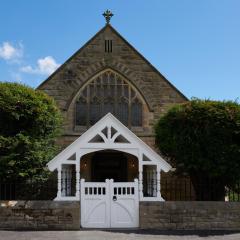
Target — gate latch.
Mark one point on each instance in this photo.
(114, 198)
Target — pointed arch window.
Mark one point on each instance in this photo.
(109, 92)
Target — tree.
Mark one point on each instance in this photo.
(202, 139)
(29, 123)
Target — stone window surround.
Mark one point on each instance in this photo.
(146, 112)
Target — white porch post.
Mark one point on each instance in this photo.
(78, 159)
(69, 177)
(64, 177)
(59, 193)
(158, 183)
(140, 176)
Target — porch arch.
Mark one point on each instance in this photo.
(109, 164)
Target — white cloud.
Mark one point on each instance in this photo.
(10, 53)
(45, 66)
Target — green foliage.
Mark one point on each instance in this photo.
(202, 138)
(29, 123)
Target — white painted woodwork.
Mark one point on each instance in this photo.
(125, 210)
(59, 171)
(140, 176)
(158, 184)
(68, 182)
(78, 164)
(102, 136)
(109, 204)
(95, 210)
(63, 180)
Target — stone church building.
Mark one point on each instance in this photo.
(110, 97)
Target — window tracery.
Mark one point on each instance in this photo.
(109, 92)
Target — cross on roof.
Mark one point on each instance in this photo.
(108, 14)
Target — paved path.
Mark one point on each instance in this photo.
(105, 235)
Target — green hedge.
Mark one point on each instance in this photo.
(202, 139)
(29, 123)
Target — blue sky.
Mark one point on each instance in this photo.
(194, 44)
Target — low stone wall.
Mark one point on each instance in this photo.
(39, 215)
(56, 215)
(190, 215)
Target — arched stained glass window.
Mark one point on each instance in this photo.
(109, 92)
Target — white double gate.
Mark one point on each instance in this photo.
(109, 204)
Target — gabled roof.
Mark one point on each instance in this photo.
(127, 43)
(109, 133)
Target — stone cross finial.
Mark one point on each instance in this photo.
(108, 14)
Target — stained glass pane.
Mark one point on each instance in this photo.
(95, 112)
(99, 91)
(108, 107)
(112, 91)
(136, 114)
(126, 89)
(105, 78)
(111, 79)
(122, 111)
(81, 116)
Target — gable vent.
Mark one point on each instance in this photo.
(108, 46)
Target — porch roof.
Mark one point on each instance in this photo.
(109, 133)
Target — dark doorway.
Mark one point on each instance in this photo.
(109, 165)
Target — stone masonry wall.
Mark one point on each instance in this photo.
(39, 215)
(50, 215)
(64, 85)
(190, 215)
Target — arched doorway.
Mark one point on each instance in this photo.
(109, 164)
